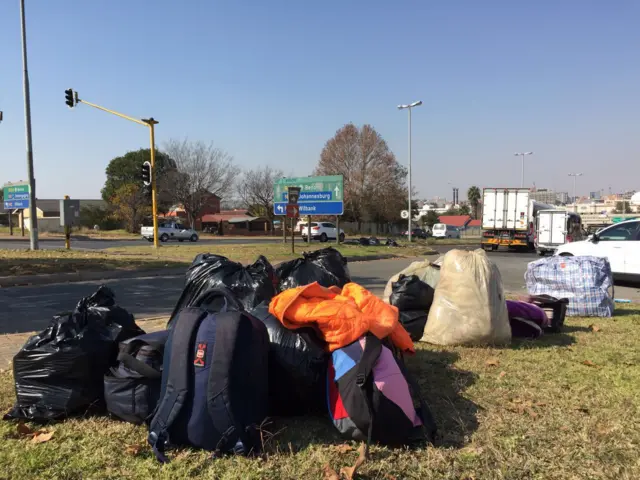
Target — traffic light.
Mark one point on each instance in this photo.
(146, 173)
(70, 98)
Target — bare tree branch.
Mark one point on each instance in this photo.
(202, 170)
(255, 190)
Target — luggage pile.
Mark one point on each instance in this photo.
(243, 343)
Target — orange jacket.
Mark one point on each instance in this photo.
(342, 316)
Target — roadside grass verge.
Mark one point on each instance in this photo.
(566, 406)
(25, 262)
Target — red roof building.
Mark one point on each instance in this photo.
(474, 223)
(455, 220)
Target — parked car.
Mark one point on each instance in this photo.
(323, 231)
(170, 231)
(417, 233)
(620, 243)
(441, 230)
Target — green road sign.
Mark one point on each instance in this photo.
(16, 196)
(318, 195)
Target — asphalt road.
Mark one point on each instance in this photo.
(25, 309)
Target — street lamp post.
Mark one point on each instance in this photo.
(33, 229)
(575, 176)
(409, 107)
(522, 154)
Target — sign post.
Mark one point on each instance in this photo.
(293, 194)
(16, 196)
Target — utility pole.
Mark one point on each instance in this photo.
(33, 230)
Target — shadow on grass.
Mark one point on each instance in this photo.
(627, 312)
(442, 386)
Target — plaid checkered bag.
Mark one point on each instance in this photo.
(585, 281)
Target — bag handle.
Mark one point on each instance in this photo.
(132, 363)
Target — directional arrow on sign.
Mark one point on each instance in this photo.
(337, 190)
(280, 209)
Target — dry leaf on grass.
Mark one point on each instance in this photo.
(24, 430)
(349, 472)
(583, 410)
(42, 437)
(390, 477)
(502, 374)
(492, 362)
(330, 473)
(133, 449)
(594, 328)
(589, 363)
(344, 448)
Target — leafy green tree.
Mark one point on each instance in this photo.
(129, 206)
(464, 210)
(126, 170)
(623, 207)
(474, 195)
(430, 219)
(94, 215)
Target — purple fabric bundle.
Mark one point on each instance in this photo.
(527, 320)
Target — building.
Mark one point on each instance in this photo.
(460, 221)
(48, 213)
(594, 195)
(235, 222)
(211, 206)
(562, 198)
(543, 195)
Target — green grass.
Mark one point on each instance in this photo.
(566, 406)
(25, 262)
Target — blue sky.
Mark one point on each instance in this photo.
(271, 81)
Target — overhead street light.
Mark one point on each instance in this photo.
(522, 154)
(575, 175)
(409, 107)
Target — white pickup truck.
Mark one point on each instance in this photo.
(170, 231)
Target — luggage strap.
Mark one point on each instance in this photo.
(138, 366)
(178, 379)
(370, 355)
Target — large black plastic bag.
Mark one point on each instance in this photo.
(59, 372)
(414, 323)
(411, 293)
(327, 267)
(251, 285)
(297, 368)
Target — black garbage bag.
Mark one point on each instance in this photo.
(251, 285)
(364, 241)
(373, 241)
(297, 368)
(414, 323)
(391, 242)
(60, 371)
(327, 267)
(411, 293)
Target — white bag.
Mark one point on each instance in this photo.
(469, 307)
(427, 271)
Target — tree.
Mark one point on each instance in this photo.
(464, 210)
(128, 205)
(95, 215)
(430, 219)
(126, 170)
(623, 207)
(255, 190)
(370, 171)
(202, 170)
(474, 195)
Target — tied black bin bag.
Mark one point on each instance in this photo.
(297, 368)
(411, 293)
(327, 267)
(251, 285)
(59, 372)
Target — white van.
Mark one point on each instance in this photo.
(441, 230)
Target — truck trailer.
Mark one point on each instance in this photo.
(509, 218)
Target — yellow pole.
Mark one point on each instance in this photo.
(67, 232)
(154, 205)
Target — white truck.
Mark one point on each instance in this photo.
(170, 231)
(555, 228)
(509, 218)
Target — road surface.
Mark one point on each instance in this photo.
(24, 309)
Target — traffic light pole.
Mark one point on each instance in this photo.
(150, 122)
